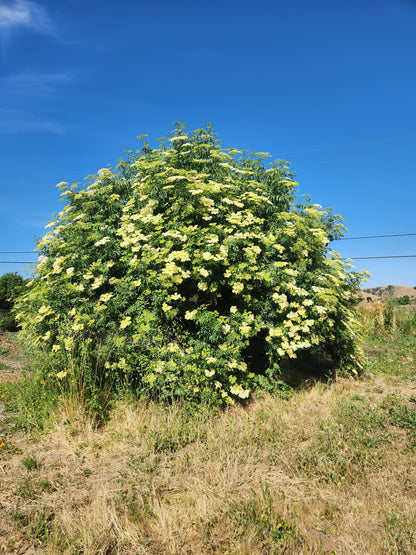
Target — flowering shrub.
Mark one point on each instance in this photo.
(190, 271)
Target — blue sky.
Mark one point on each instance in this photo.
(329, 86)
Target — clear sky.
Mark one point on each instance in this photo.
(328, 85)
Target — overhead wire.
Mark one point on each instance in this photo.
(376, 236)
(317, 149)
(373, 257)
(349, 145)
(340, 239)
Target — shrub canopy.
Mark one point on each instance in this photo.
(191, 271)
(11, 285)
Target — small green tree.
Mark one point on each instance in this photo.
(191, 271)
(11, 285)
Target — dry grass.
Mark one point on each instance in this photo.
(327, 471)
(332, 469)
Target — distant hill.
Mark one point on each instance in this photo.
(376, 293)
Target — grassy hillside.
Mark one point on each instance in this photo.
(395, 291)
(328, 468)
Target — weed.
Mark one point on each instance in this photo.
(45, 485)
(41, 521)
(32, 400)
(11, 449)
(401, 532)
(19, 519)
(30, 462)
(405, 417)
(257, 515)
(350, 443)
(26, 489)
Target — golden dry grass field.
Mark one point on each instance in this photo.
(328, 468)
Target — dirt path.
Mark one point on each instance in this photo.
(12, 359)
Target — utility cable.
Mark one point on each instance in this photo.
(348, 145)
(373, 257)
(340, 239)
(376, 236)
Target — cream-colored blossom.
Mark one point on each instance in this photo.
(178, 138)
(280, 299)
(125, 322)
(237, 287)
(102, 241)
(245, 329)
(51, 224)
(97, 282)
(190, 314)
(275, 332)
(239, 391)
(69, 343)
(159, 366)
(57, 265)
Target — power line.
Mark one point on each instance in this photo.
(332, 147)
(300, 165)
(81, 178)
(372, 257)
(347, 257)
(340, 239)
(376, 236)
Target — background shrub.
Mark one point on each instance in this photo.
(11, 285)
(190, 271)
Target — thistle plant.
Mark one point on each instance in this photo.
(191, 271)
